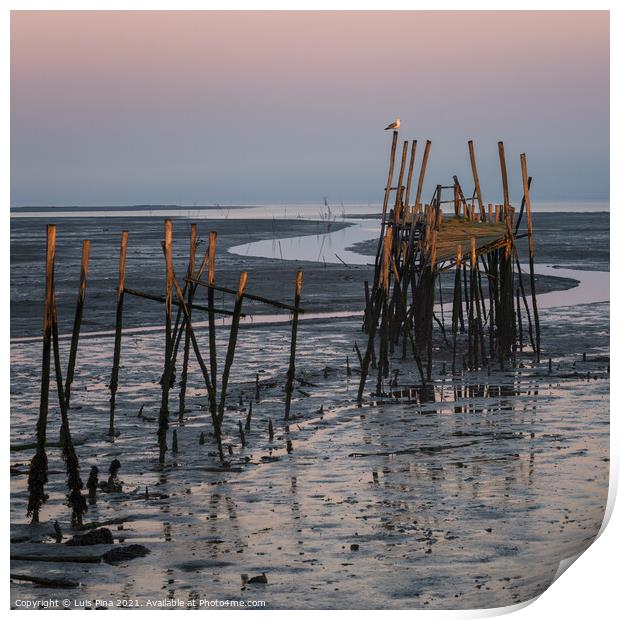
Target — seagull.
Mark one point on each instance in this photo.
(394, 125)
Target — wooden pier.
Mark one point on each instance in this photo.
(420, 243)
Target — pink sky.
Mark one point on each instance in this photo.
(126, 107)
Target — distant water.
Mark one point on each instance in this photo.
(263, 211)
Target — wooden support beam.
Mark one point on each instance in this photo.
(260, 298)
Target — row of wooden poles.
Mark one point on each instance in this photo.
(400, 305)
(178, 328)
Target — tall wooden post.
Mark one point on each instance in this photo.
(427, 151)
(388, 187)
(399, 189)
(232, 343)
(162, 431)
(77, 321)
(193, 237)
(414, 145)
(290, 375)
(75, 500)
(502, 163)
(211, 305)
(530, 234)
(474, 170)
(120, 296)
(37, 475)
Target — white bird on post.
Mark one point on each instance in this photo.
(394, 125)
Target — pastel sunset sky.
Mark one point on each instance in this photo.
(111, 108)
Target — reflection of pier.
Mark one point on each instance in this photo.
(417, 243)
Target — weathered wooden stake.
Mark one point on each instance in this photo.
(211, 303)
(37, 475)
(164, 413)
(232, 342)
(190, 296)
(290, 375)
(530, 234)
(427, 151)
(474, 170)
(120, 295)
(77, 321)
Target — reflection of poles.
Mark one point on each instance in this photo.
(120, 295)
(37, 475)
(290, 375)
(456, 304)
(528, 211)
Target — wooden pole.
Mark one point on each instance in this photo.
(502, 163)
(201, 363)
(232, 342)
(37, 475)
(77, 321)
(193, 238)
(399, 189)
(75, 500)
(414, 145)
(211, 304)
(388, 187)
(456, 304)
(290, 375)
(120, 295)
(164, 413)
(474, 170)
(427, 151)
(530, 234)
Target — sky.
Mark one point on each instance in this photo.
(197, 108)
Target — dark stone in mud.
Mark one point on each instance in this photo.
(258, 579)
(102, 536)
(122, 554)
(355, 547)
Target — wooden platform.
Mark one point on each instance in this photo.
(455, 231)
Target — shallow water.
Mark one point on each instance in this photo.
(441, 497)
